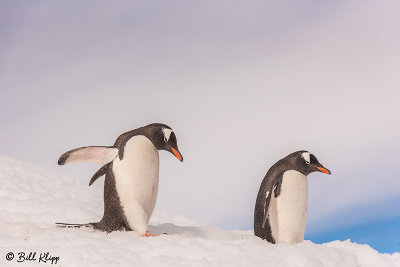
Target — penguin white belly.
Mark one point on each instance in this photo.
(136, 180)
(288, 212)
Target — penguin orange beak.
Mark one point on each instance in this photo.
(177, 154)
(322, 169)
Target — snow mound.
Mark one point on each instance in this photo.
(32, 200)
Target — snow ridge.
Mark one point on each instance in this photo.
(32, 200)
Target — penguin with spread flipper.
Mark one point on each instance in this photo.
(131, 169)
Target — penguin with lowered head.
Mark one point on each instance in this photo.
(131, 169)
(281, 206)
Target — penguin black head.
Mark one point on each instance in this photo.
(306, 163)
(163, 138)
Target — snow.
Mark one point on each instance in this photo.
(32, 200)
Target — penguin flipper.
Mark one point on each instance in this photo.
(266, 208)
(102, 171)
(96, 154)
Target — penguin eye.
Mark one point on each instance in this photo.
(167, 134)
(306, 156)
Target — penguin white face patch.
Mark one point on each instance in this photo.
(167, 134)
(306, 157)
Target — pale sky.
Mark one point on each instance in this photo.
(242, 84)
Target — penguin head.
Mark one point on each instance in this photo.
(164, 138)
(307, 163)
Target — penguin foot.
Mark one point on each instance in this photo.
(147, 234)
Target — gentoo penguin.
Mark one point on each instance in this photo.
(281, 205)
(131, 176)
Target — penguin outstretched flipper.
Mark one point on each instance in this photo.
(96, 154)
